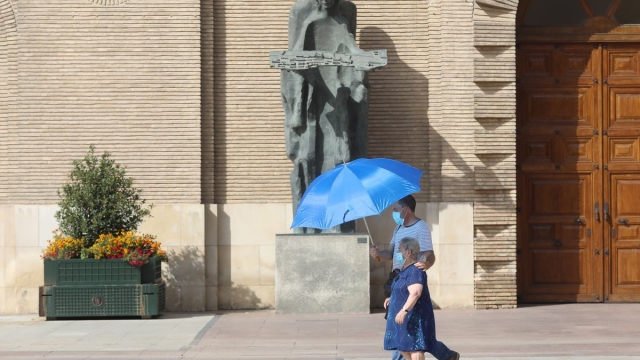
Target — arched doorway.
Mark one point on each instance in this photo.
(578, 150)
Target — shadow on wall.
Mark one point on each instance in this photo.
(398, 122)
(400, 128)
(232, 296)
(240, 297)
(185, 277)
(220, 99)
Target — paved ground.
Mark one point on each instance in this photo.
(564, 332)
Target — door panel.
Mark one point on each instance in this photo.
(625, 240)
(624, 103)
(558, 248)
(621, 64)
(621, 67)
(559, 148)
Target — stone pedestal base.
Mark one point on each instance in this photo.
(322, 274)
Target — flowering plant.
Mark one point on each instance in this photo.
(63, 247)
(129, 246)
(100, 210)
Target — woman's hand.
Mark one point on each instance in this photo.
(400, 317)
(386, 302)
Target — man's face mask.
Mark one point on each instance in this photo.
(397, 217)
(398, 257)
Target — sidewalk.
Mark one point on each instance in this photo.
(567, 332)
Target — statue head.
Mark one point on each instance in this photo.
(327, 4)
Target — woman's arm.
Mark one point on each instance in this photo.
(415, 290)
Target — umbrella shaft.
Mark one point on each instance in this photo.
(370, 238)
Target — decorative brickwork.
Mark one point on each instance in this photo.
(500, 4)
(495, 284)
(495, 180)
(108, 2)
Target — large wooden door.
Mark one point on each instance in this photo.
(579, 172)
(559, 177)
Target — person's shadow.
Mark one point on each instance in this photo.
(399, 124)
(400, 128)
(398, 109)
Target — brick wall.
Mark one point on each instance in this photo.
(181, 92)
(250, 160)
(124, 75)
(207, 101)
(8, 85)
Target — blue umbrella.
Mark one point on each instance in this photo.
(351, 191)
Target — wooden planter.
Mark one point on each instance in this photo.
(101, 288)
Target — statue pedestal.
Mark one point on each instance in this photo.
(322, 274)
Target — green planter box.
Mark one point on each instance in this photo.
(100, 272)
(144, 300)
(101, 288)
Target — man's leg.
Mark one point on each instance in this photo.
(442, 352)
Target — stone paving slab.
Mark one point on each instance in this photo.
(173, 332)
(555, 332)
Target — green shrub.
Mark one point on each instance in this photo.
(99, 199)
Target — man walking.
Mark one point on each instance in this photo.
(409, 225)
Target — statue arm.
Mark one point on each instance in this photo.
(294, 83)
(294, 91)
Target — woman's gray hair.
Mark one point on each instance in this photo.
(411, 244)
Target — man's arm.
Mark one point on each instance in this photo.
(384, 254)
(426, 259)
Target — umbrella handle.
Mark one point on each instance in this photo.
(370, 238)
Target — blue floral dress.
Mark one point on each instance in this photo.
(418, 331)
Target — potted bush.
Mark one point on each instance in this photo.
(97, 264)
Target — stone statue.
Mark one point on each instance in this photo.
(325, 91)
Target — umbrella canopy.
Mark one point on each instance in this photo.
(360, 188)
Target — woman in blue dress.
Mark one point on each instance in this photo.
(411, 327)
